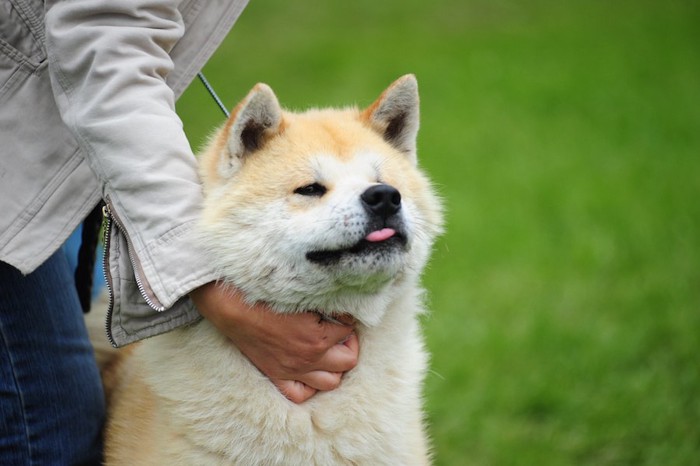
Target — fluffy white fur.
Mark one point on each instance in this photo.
(201, 401)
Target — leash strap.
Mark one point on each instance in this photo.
(213, 94)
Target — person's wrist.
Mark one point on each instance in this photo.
(217, 302)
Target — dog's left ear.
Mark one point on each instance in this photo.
(395, 115)
(252, 123)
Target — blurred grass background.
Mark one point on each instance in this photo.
(564, 137)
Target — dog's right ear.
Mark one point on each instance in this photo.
(251, 124)
(395, 115)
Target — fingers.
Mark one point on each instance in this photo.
(337, 330)
(353, 343)
(294, 391)
(301, 353)
(321, 380)
(316, 347)
(342, 356)
(339, 358)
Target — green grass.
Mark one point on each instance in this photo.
(564, 137)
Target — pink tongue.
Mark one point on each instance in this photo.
(380, 235)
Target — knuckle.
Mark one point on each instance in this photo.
(295, 364)
(352, 361)
(290, 364)
(317, 349)
(332, 381)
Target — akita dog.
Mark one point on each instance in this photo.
(323, 210)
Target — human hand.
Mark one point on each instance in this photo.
(300, 353)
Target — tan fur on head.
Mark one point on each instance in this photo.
(256, 119)
(259, 117)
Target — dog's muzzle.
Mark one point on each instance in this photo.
(384, 232)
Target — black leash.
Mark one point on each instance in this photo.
(212, 92)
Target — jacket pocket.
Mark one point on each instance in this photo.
(22, 48)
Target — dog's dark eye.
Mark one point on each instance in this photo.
(314, 189)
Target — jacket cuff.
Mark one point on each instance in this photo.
(174, 265)
(144, 303)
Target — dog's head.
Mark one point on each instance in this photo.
(322, 210)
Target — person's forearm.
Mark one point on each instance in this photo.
(108, 63)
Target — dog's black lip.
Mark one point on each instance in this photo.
(328, 257)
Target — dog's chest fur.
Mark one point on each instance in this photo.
(231, 414)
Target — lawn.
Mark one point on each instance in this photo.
(564, 137)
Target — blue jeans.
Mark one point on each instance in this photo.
(51, 400)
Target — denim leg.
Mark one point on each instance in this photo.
(51, 401)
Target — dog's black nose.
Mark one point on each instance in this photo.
(382, 200)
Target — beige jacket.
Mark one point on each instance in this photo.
(87, 92)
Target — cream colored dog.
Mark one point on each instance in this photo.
(322, 210)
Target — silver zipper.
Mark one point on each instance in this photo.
(152, 301)
(107, 227)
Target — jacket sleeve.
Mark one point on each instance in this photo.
(108, 63)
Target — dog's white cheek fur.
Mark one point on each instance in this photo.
(268, 259)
